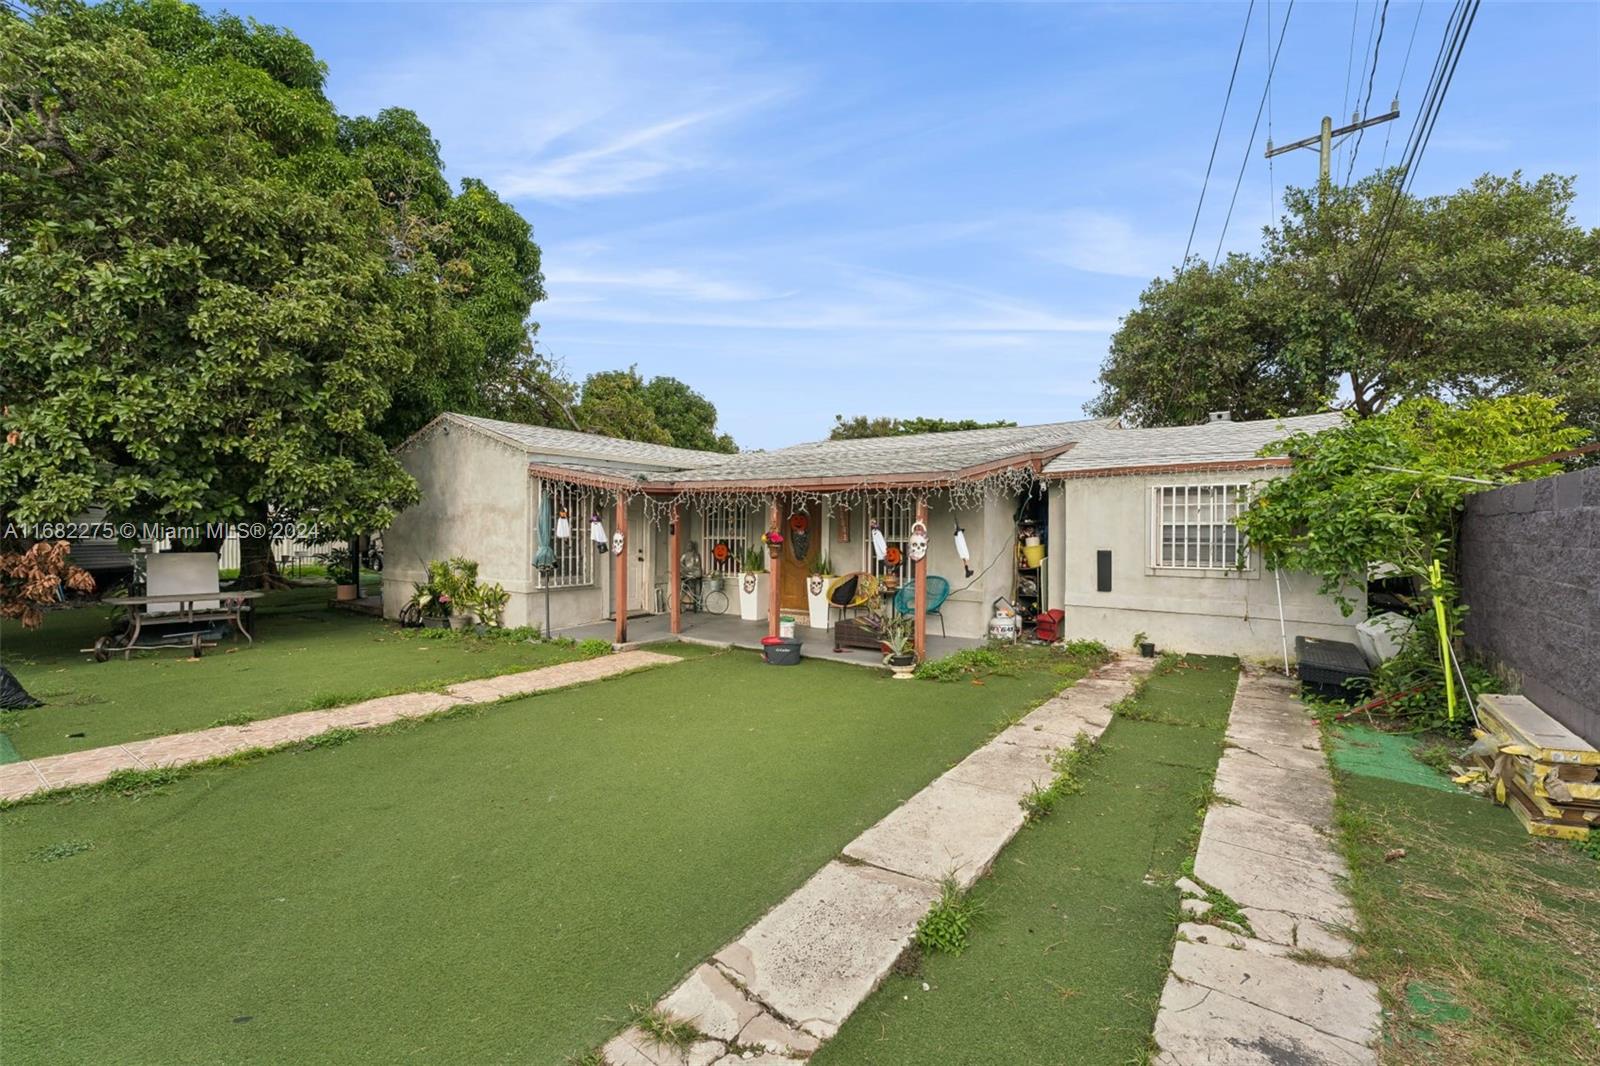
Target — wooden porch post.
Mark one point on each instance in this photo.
(919, 570)
(674, 596)
(774, 564)
(619, 578)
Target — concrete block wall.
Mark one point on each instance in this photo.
(1530, 573)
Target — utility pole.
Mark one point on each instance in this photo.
(1324, 140)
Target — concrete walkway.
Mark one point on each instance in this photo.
(789, 981)
(1238, 999)
(73, 769)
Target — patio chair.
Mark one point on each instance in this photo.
(905, 599)
(851, 592)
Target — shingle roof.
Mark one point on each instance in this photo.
(543, 440)
(925, 453)
(1214, 442)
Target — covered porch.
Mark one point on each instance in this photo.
(731, 630)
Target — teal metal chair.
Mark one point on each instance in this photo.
(905, 599)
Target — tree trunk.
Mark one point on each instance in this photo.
(258, 569)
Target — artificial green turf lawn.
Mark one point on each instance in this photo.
(1483, 940)
(496, 887)
(1067, 960)
(306, 655)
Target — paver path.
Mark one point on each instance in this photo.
(1239, 999)
(21, 779)
(790, 980)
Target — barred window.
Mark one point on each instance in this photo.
(894, 519)
(729, 528)
(1196, 527)
(574, 554)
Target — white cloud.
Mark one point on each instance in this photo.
(1103, 242)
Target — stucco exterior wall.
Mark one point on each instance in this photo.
(475, 503)
(1229, 612)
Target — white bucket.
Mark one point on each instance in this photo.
(786, 627)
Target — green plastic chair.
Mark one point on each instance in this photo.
(905, 599)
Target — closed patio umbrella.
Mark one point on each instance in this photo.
(544, 554)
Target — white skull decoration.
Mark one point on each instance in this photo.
(919, 541)
(616, 542)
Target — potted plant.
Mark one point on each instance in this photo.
(817, 591)
(753, 585)
(342, 571)
(489, 604)
(1146, 646)
(899, 633)
(432, 604)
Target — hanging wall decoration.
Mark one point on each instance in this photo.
(774, 542)
(961, 550)
(597, 533)
(800, 534)
(563, 525)
(720, 551)
(880, 547)
(919, 541)
(616, 542)
(893, 556)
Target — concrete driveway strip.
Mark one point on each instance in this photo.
(1232, 998)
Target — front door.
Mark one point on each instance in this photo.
(802, 543)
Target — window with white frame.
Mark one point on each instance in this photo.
(729, 528)
(574, 554)
(1196, 527)
(894, 519)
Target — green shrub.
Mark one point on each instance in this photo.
(594, 647)
(962, 664)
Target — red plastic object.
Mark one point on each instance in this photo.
(770, 641)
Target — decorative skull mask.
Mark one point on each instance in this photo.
(919, 541)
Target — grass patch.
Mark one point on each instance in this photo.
(948, 923)
(1068, 961)
(1482, 939)
(667, 1030)
(64, 849)
(594, 842)
(1071, 660)
(306, 657)
(1068, 764)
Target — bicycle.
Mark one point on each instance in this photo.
(703, 595)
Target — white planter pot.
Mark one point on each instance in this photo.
(752, 596)
(817, 600)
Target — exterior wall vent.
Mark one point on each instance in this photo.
(1219, 416)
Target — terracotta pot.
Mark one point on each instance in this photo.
(346, 592)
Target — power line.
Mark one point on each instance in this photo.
(1218, 138)
(1400, 82)
(1266, 90)
(1366, 107)
(1451, 47)
(1355, 19)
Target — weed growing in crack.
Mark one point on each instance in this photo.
(1067, 764)
(665, 1029)
(948, 924)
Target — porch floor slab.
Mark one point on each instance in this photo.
(730, 629)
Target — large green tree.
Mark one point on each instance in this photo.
(219, 300)
(858, 427)
(1490, 290)
(663, 410)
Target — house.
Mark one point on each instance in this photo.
(1136, 526)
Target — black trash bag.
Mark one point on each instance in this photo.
(13, 697)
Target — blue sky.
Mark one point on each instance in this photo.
(914, 210)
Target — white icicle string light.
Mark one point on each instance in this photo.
(957, 495)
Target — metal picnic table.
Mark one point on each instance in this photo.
(229, 608)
